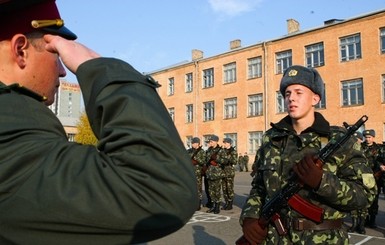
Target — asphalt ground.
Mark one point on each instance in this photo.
(224, 229)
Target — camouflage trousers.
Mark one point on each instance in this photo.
(359, 213)
(228, 188)
(215, 190)
(198, 176)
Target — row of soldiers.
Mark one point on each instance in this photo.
(375, 153)
(214, 168)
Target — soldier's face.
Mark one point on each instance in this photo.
(300, 101)
(369, 139)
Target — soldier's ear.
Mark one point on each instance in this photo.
(19, 49)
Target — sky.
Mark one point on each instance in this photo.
(154, 34)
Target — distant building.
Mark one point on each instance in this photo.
(67, 106)
(236, 94)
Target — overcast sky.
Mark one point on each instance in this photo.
(152, 34)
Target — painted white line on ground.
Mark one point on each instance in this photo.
(364, 241)
(207, 218)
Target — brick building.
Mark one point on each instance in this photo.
(236, 93)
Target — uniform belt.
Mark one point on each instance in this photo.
(304, 224)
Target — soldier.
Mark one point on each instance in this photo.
(372, 153)
(198, 159)
(240, 162)
(246, 161)
(345, 182)
(227, 157)
(214, 174)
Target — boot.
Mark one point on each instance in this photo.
(229, 205)
(209, 203)
(199, 205)
(372, 221)
(361, 225)
(225, 205)
(354, 226)
(216, 208)
(212, 209)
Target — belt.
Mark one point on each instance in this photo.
(304, 224)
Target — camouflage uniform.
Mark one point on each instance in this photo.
(372, 153)
(347, 183)
(227, 158)
(214, 176)
(198, 158)
(246, 162)
(240, 162)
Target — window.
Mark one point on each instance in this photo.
(352, 92)
(382, 40)
(283, 60)
(254, 67)
(233, 137)
(171, 112)
(315, 55)
(280, 103)
(189, 113)
(255, 141)
(208, 111)
(255, 105)
(230, 109)
(230, 73)
(350, 47)
(383, 89)
(189, 83)
(322, 103)
(171, 87)
(188, 141)
(71, 137)
(208, 78)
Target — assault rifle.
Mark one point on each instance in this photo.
(288, 194)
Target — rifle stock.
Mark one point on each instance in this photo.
(288, 196)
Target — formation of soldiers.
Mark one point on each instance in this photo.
(214, 169)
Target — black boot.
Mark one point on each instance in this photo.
(199, 205)
(212, 209)
(229, 205)
(225, 205)
(372, 221)
(361, 225)
(216, 208)
(354, 226)
(209, 203)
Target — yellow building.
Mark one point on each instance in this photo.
(236, 94)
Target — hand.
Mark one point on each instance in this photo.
(308, 172)
(253, 231)
(71, 53)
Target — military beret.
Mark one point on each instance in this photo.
(25, 16)
(308, 77)
(227, 140)
(195, 140)
(370, 132)
(214, 138)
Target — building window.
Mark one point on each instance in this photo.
(233, 137)
(208, 78)
(322, 103)
(350, 47)
(188, 141)
(254, 67)
(383, 89)
(71, 137)
(255, 141)
(230, 73)
(189, 113)
(171, 112)
(281, 108)
(189, 82)
(171, 86)
(382, 40)
(315, 55)
(208, 111)
(284, 61)
(255, 105)
(352, 92)
(230, 109)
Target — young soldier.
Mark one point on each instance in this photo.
(344, 183)
(198, 159)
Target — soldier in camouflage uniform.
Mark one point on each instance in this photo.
(372, 153)
(344, 183)
(198, 159)
(240, 162)
(214, 174)
(246, 161)
(227, 157)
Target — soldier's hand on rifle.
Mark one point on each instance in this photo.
(253, 231)
(308, 172)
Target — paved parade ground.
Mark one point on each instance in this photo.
(224, 229)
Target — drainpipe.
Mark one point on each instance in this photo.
(265, 84)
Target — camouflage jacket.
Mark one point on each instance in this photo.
(214, 170)
(227, 158)
(198, 156)
(373, 155)
(347, 182)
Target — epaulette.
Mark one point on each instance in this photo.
(23, 90)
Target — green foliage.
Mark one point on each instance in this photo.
(85, 134)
